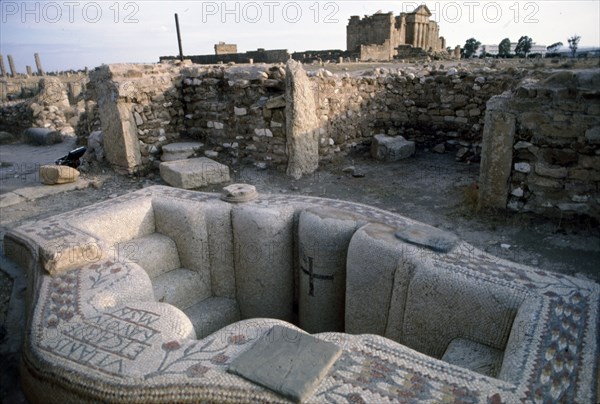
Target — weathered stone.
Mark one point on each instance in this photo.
(524, 168)
(287, 361)
(323, 238)
(42, 136)
(368, 293)
(301, 122)
(496, 153)
(264, 267)
(428, 236)
(593, 135)
(193, 173)
(276, 102)
(440, 148)
(546, 171)
(52, 175)
(7, 138)
(180, 151)
(389, 148)
(239, 193)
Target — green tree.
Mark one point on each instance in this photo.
(504, 48)
(574, 44)
(554, 47)
(471, 47)
(523, 46)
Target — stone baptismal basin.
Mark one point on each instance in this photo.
(156, 296)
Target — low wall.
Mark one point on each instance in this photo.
(541, 146)
(239, 113)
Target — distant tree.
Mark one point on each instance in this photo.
(471, 47)
(574, 44)
(504, 48)
(554, 47)
(449, 49)
(523, 46)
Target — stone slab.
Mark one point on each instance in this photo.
(180, 151)
(390, 148)
(193, 173)
(427, 236)
(287, 361)
(57, 174)
(39, 191)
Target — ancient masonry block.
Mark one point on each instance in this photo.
(193, 173)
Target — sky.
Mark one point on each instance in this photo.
(73, 34)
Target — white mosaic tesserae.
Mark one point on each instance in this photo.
(158, 295)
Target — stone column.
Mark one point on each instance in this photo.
(29, 71)
(2, 67)
(11, 64)
(38, 64)
(301, 122)
(496, 152)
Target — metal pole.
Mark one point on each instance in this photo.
(178, 37)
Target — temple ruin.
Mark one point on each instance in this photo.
(383, 36)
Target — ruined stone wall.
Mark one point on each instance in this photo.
(430, 107)
(238, 112)
(140, 109)
(547, 158)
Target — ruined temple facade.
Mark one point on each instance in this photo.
(378, 36)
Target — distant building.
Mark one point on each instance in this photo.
(378, 36)
(223, 48)
(494, 49)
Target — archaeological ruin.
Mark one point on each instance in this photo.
(383, 36)
(172, 295)
(169, 294)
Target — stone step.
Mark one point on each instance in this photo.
(390, 148)
(474, 356)
(156, 253)
(212, 314)
(180, 151)
(182, 287)
(193, 173)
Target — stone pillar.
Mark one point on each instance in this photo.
(264, 261)
(2, 67)
(323, 238)
(29, 71)
(496, 153)
(11, 64)
(38, 64)
(301, 122)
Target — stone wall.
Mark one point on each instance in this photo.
(542, 146)
(237, 111)
(140, 109)
(52, 102)
(429, 106)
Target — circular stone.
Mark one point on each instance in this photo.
(428, 236)
(239, 193)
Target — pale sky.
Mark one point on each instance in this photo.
(73, 34)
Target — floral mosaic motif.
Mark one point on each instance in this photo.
(198, 353)
(63, 298)
(563, 339)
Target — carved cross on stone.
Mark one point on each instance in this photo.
(312, 276)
